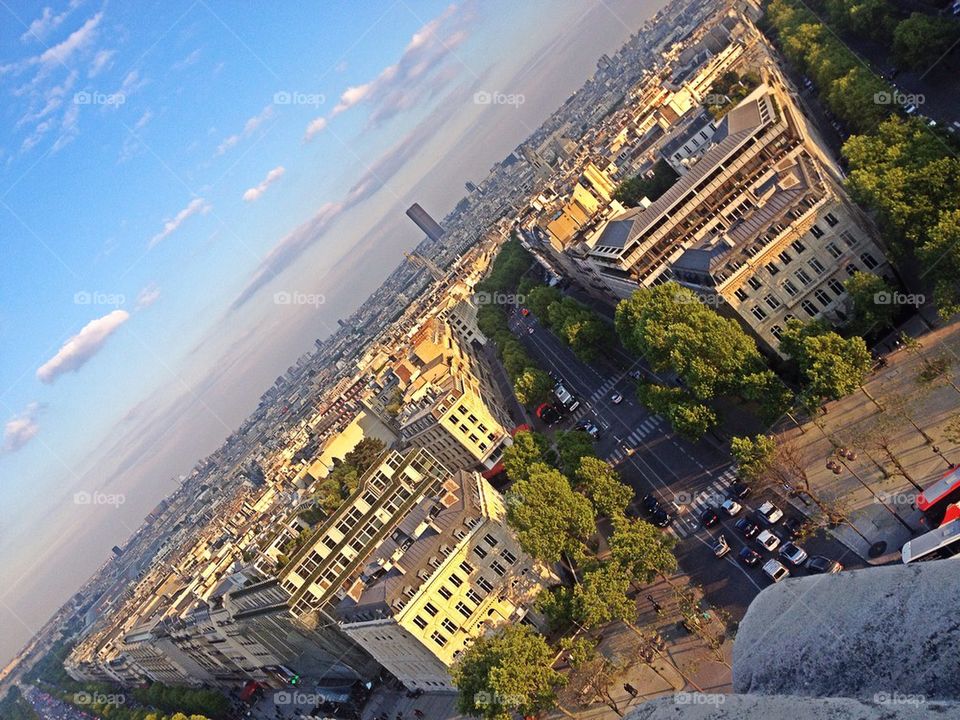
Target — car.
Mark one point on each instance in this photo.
(746, 528)
(910, 109)
(823, 565)
(793, 554)
(768, 541)
(549, 414)
(636, 374)
(524, 312)
(661, 518)
(590, 429)
(769, 512)
(709, 517)
(775, 570)
(616, 398)
(720, 546)
(731, 507)
(794, 526)
(649, 503)
(530, 330)
(738, 490)
(749, 557)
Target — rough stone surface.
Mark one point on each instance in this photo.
(778, 707)
(874, 633)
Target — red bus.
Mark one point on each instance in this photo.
(933, 501)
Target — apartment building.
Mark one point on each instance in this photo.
(450, 572)
(755, 191)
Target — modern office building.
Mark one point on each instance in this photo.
(450, 572)
(426, 223)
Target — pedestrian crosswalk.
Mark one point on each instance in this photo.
(629, 443)
(696, 501)
(605, 388)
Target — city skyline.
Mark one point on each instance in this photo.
(91, 404)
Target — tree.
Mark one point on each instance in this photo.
(601, 483)
(532, 387)
(642, 550)
(507, 672)
(528, 449)
(687, 416)
(753, 455)
(557, 605)
(832, 366)
(872, 297)
(573, 445)
(551, 520)
(660, 179)
(602, 597)
(921, 40)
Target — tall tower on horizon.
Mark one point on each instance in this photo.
(426, 223)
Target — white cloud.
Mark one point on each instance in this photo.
(20, 429)
(189, 60)
(316, 126)
(148, 296)
(249, 128)
(45, 24)
(101, 61)
(197, 205)
(143, 120)
(76, 351)
(254, 193)
(77, 40)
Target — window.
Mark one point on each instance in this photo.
(773, 269)
(852, 270)
(869, 261)
(836, 286)
(758, 312)
(431, 609)
(497, 567)
(834, 251)
(776, 331)
(481, 553)
(438, 638)
(816, 266)
(822, 297)
(831, 219)
(484, 584)
(772, 302)
(462, 410)
(445, 593)
(419, 622)
(741, 294)
(508, 556)
(798, 246)
(803, 277)
(755, 283)
(474, 597)
(816, 231)
(448, 625)
(849, 238)
(790, 288)
(785, 257)
(490, 540)
(466, 567)
(455, 580)
(809, 308)
(464, 609)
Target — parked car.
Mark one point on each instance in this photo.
(793, 554)
(746, 528)
(738, 490)
(793, 526)
(770, 513)
(649, 503)
(720, 546)
(749, 557)
(768, 541)
(775, 570)
(549, 414)
(731, 507)
(590, 429)
(660, 517)
(709, 517)
(616, 398)
(823, 565)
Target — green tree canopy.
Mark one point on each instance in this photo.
(872, 297)
(505, 673)
(572, 446)
(753, 456)
(528, 449)
(642, 550)
(532, 387)
(601, 483)
(602, 597)
(831, 366)
(921, 40)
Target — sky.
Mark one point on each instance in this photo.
(168, 170)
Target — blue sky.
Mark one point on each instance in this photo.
(166, 167)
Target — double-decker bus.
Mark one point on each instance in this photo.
(944, 542)
(934, 501)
